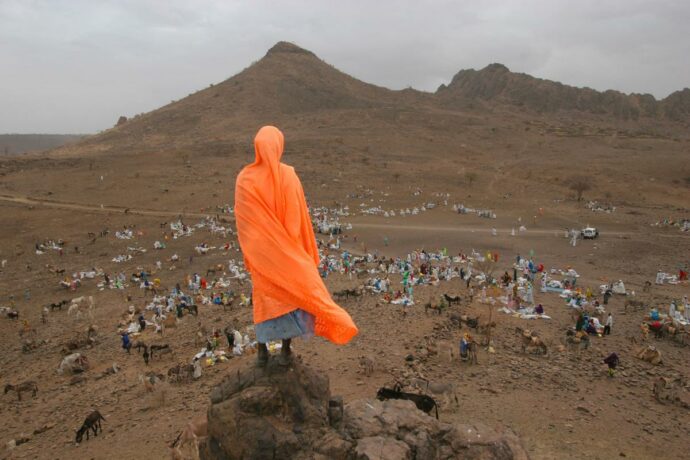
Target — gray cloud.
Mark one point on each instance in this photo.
(76, 65)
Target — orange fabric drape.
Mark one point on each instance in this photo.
(278, 243)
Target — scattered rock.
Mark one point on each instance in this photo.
(287, 412)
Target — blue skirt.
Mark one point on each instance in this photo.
(297, 323)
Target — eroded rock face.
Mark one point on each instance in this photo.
(271, 412)
(283, 412)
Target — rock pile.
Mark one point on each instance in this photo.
(288, 412)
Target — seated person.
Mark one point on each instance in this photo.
(591, 329)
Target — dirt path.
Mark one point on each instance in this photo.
(387, 226)
(96, 208)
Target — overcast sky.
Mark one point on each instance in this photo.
(74, 66)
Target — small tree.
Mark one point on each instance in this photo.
(580, 184)
(470, 177)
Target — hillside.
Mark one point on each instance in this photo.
(285, 86)
(13, 144)
(497, 84)
(295, 89)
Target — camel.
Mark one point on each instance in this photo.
(649, 354)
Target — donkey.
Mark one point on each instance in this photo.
(92, 422)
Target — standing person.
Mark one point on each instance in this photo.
(612, 362)
(279, 247)
(607, 295)
(230, 335)
(609, 323)
(126, 343)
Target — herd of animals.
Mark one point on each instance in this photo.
(426, 395)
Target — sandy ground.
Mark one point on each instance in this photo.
(562, 405)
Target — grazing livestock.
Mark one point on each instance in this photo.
(190, 436)
(58, 305)
(29, 385)
(423, 402)
(531, 340)
(428, 306)
(444, 390)
(92, 422)
(451, 300)
(161, 349)
(367, 365)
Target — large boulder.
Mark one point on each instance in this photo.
(271, 412)
(288, 412)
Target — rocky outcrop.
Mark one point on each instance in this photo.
(279, 412)
(496, 83)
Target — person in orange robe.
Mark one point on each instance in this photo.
(279, 248)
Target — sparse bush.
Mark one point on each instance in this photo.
(470, 177)
(580, 184)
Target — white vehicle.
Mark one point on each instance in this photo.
(589, 233)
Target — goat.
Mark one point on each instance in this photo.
(13, 314)
(80, 303)
(29, 385)
(423, 402)
(58, 305)
(367, 364)
(92, 422)
(451, 300)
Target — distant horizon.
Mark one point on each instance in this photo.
(76, 66)
(392, 89)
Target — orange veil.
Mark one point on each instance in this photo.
(278, 243)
